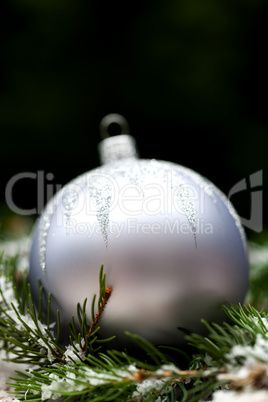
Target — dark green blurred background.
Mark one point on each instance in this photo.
(188, 75)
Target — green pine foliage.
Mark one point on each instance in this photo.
(232, 359)
(258, 294)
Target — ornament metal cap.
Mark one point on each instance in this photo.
(118, 147)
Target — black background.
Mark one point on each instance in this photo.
(189, 76)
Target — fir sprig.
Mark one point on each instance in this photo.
(244, 326)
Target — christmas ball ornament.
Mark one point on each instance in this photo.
(171, 243)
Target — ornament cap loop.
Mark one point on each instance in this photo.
(113, 118)
(116, 147)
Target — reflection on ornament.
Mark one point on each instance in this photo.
(171, 243)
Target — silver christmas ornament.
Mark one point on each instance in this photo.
(171, 243)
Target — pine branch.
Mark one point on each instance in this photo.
(233, 354)
(104, 295)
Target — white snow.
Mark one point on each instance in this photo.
(73, 354)
(245, 396)
(252, 355)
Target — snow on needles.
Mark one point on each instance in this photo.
(245, 396)
(247, 363)
(79, 382)
(250, 355)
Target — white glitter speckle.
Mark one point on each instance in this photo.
(43, 232)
